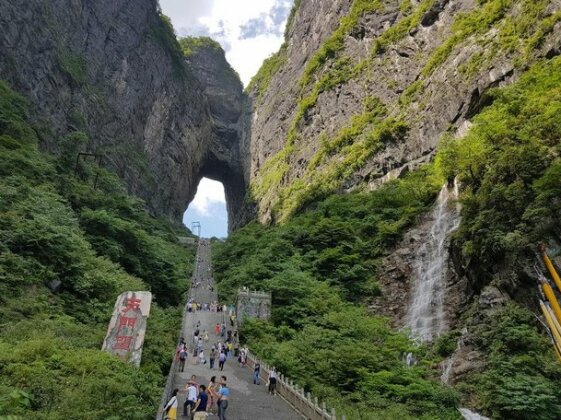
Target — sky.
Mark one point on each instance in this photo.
(249, 32)
(209, 209)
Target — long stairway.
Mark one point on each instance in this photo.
(247, 401)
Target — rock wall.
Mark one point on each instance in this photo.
(360, 93)
(430, 64)
(113, 69)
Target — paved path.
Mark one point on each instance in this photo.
(247, 401)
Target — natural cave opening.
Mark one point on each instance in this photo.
(208, 208)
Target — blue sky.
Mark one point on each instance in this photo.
(209, 208)
(249, 31)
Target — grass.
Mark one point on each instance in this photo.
(259, 83)
(74, 65)
(190, 44)
(335, 43)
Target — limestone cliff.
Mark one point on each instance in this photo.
(360, 92)
(114, 70)
(363, 91)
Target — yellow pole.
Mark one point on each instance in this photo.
(552, 300)
(557, 352)
(552, 270)
(556, 336)
(555, 323)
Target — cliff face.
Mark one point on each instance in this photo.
(363, 91)
(113, 69)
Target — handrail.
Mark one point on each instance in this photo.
(291, 392)
(295, 395)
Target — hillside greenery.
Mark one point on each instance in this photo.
(320, 266)
(492, 28)
(57, 230)
(510, 170)
(509, 166)
(190, 44)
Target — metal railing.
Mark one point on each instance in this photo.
(302, 401)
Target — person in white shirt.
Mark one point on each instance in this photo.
(272, 381)
(192, 391)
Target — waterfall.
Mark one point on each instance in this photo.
(467, 414)
(426, 317)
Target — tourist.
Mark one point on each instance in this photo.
(201, 404)
(223, 396)
(221, 360)
(272, 381)
(212, 357)
(202, 359)
(192, 390)
(170, 408)
(212, 392)
(257, 373)
(182, 358)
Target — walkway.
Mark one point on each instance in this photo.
(247, 401)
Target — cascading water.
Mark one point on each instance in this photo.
(426, 317)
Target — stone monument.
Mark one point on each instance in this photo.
(125, 335)
(253, 304)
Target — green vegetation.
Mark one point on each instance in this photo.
(341, 71)
(322, 258)
(261, 81)
(521, 24)
(336, 41)
(521, 379)
(319, 266)
(54, 227)
(509, 167)
(507, 163)
(190, 44)
(164, 34)
(400, 29)
(74, 65)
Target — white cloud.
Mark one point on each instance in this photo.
(249, 30)
(208, 194)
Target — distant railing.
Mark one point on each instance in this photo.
(296, 396)
(302, 401)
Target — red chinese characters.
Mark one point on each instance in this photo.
(132, 303)
(123, 342)
(125, 321)
(124, 337)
